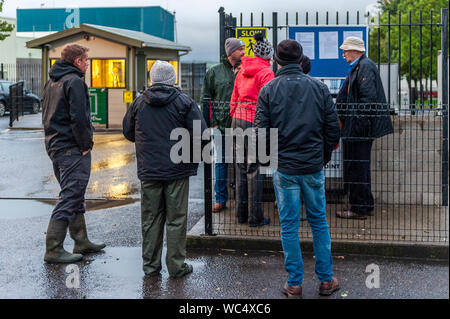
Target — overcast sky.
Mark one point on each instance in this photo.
(198, 20)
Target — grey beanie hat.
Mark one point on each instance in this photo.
(232, 44)
(163, 72)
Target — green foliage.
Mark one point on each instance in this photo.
(5, 27)
(425, 40)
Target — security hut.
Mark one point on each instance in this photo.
(120, 63)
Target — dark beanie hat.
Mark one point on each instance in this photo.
(288, 52)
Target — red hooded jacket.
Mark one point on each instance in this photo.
(254, 74)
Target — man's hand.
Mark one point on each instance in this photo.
(216, 126)
(85, 152)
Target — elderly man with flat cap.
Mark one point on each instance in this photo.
(364, 116)
(216, 94)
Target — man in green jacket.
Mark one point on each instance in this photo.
(216, 94)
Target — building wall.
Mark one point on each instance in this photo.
(98, 48)
(152, 20)
(104, 49)
(14, 47)
(116, 108)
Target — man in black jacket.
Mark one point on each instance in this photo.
(365, 115)
(302, 110)
(68, 141)
(152, 120)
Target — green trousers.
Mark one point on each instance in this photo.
(164, 203)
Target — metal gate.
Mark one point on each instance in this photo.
(409, 168)
(15, 102)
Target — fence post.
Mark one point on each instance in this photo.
(275, 36)
(207, 179)
(221, 32)
(444, 47)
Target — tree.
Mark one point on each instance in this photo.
(415, 45)
(5, 27)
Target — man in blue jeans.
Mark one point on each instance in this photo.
(216, 93)
(302, 110)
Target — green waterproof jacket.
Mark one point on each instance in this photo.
(216, 93)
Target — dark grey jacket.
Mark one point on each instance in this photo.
(302, 109)
(361, 103)
(66, 110)
(149, 121)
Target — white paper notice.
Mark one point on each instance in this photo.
(357, 34)
(306, 39)
(328, 45)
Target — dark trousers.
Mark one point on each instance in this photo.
(249, 184)
(72, 171)
(164, 203)
(357, 180)
(221, 170)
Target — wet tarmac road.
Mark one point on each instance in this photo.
(114, 217)
(117, 272)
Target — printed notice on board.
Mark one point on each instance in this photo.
(306, 39)
(357, 34)
(328, 45)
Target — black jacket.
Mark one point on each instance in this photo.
(302, 109)
(149, 121)
(66, 110)
(362, 104)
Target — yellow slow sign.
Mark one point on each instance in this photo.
(247, 35)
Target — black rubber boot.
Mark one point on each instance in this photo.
(78, 232)
(55, 252)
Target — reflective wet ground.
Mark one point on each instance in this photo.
(117, 272)
(28, 191)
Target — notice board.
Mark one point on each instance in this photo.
(321, 44)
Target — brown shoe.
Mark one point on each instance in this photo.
(327, 288)
(218, 207)
(292, 292)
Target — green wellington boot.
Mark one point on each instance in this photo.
(55, 252)
(78, 232)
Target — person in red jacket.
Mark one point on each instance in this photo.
(255, 72)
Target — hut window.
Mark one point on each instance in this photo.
(149, 67)
(108, 73)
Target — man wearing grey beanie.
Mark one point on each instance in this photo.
(149, 122)
(216, 94)
(163, 72)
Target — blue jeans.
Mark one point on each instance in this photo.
(287, 191)
(221, 168)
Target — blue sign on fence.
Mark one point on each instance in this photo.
(321, 45)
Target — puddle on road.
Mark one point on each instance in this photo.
(27, 208)
(114, 162)
(117, 191)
